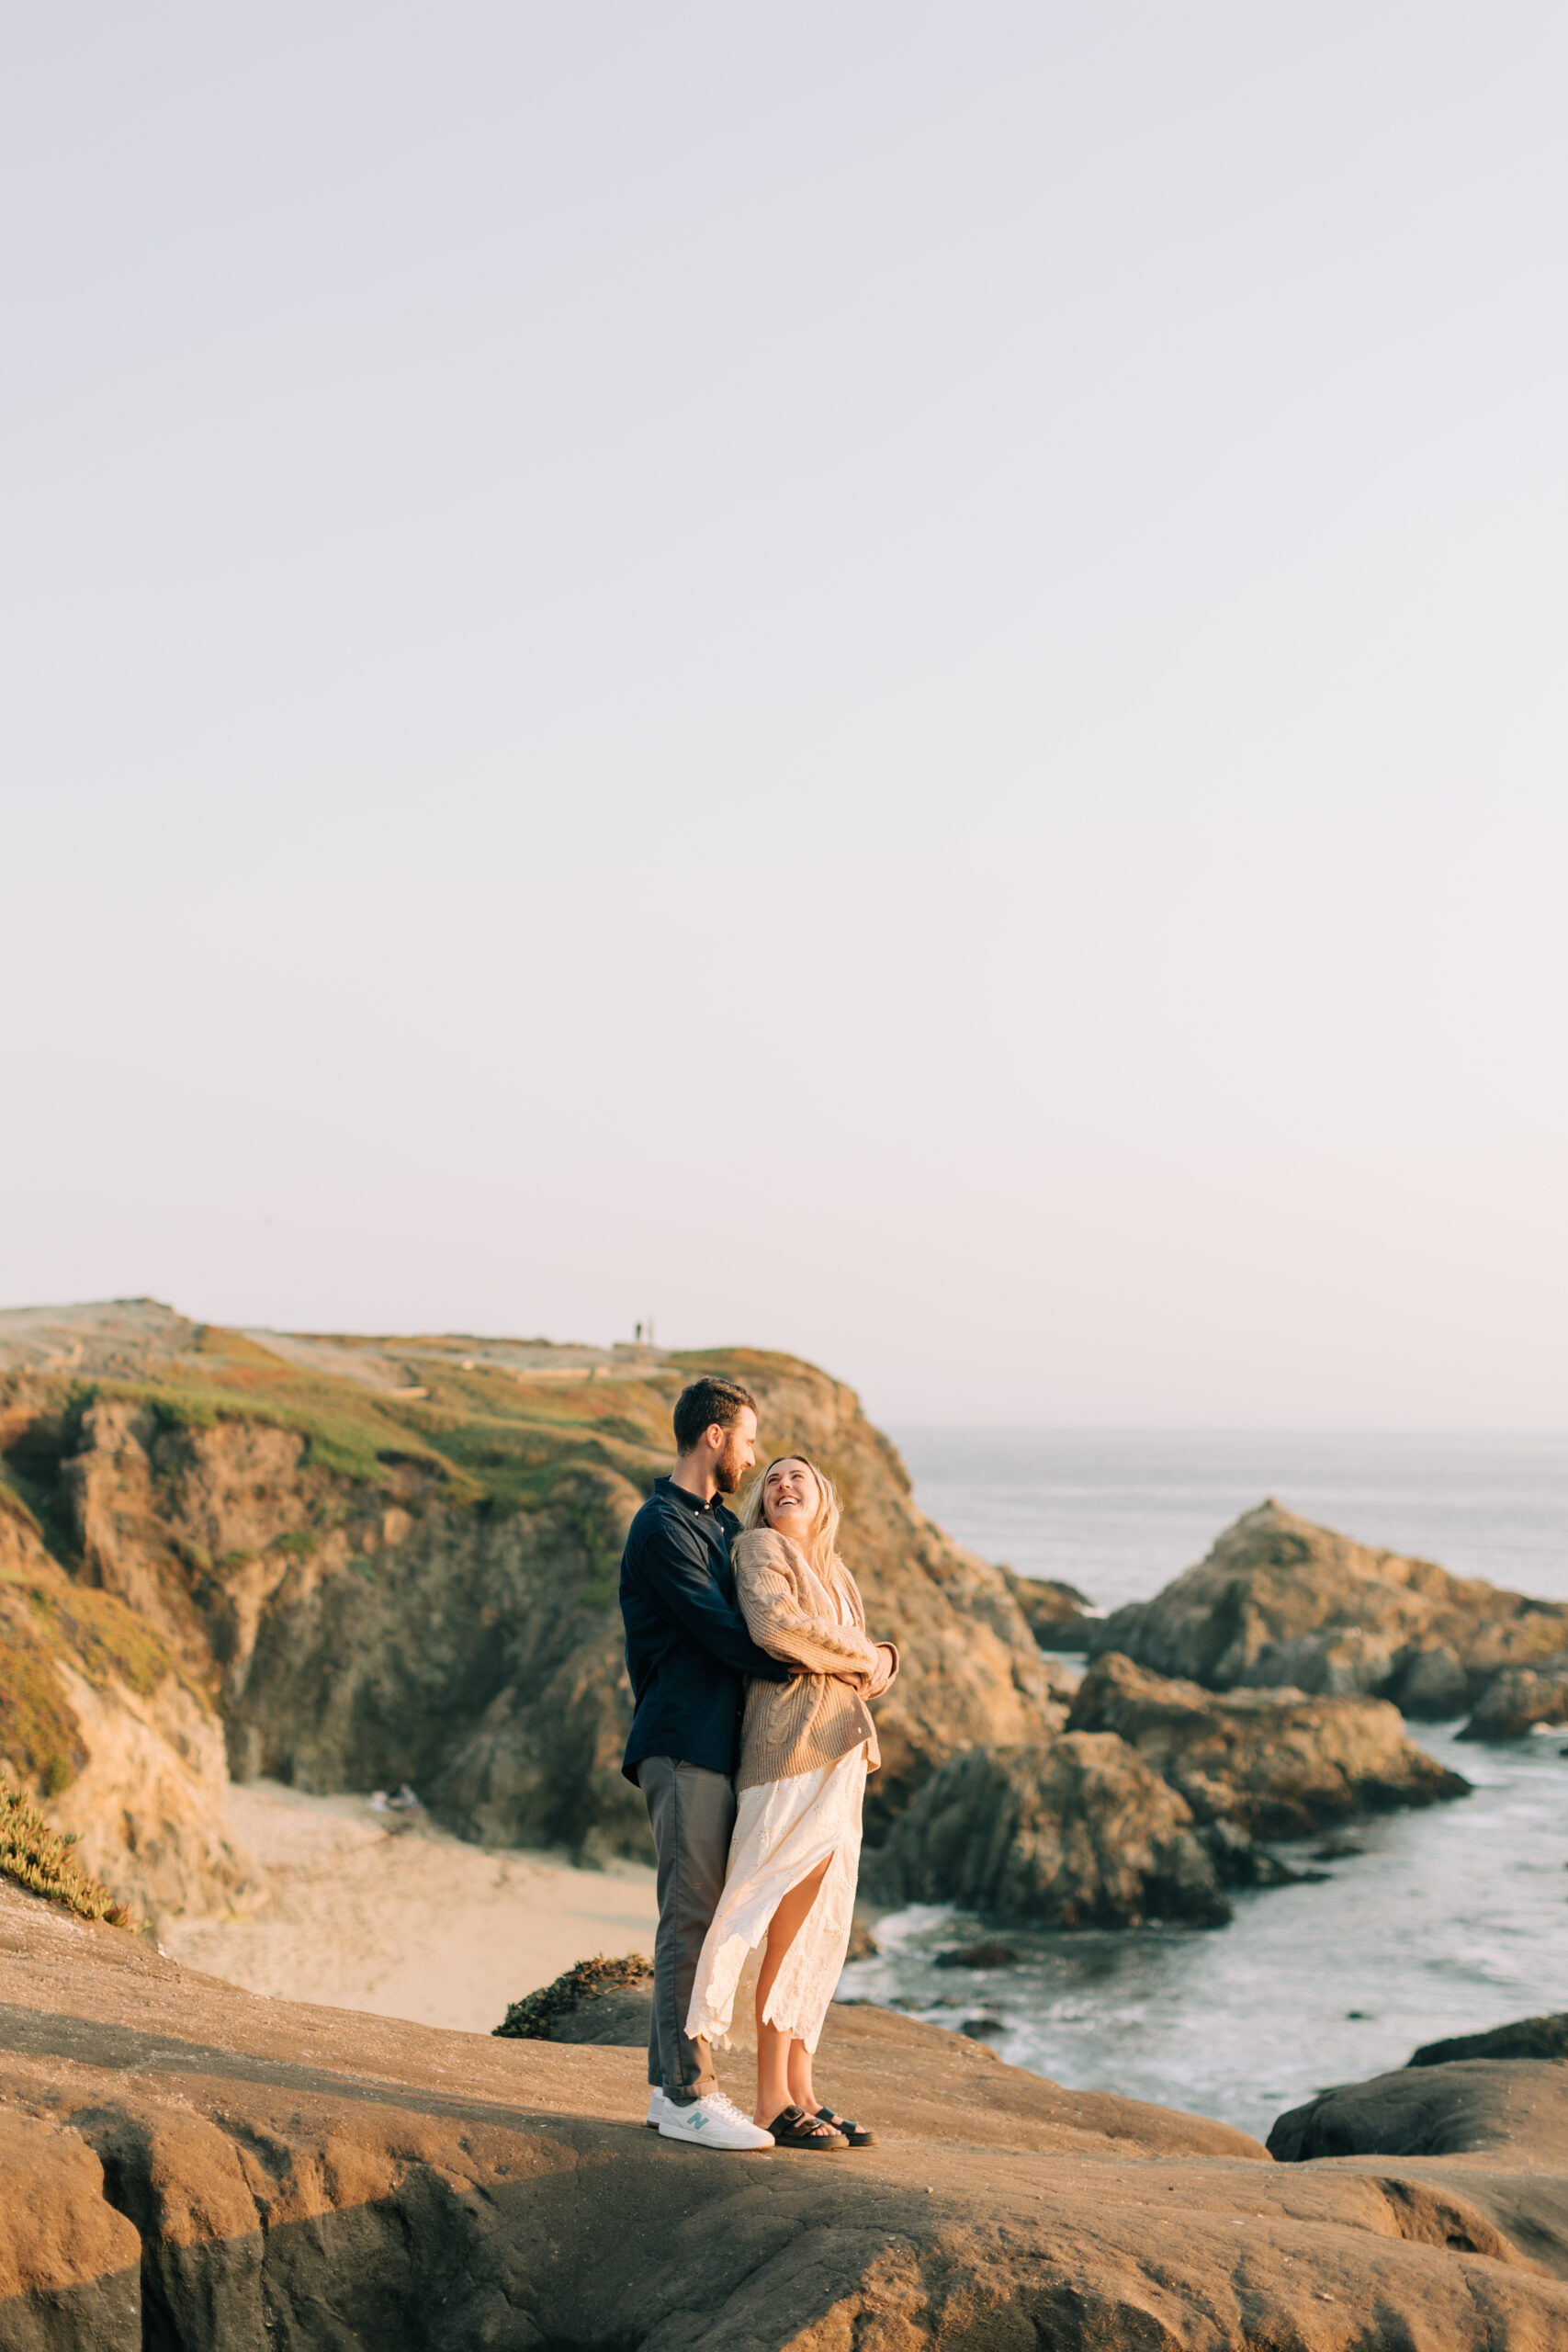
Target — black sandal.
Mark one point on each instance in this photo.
(796, 2129)
(855, 2133)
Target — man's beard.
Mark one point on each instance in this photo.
(728, 1470)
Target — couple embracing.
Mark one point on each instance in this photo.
(751, 1739)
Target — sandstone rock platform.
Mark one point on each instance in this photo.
(184, 2165)
(1491, 2131)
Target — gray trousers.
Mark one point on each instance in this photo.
(690, 1812)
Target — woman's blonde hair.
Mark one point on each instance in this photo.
(821, 1545)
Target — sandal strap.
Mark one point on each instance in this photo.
(796, 2123)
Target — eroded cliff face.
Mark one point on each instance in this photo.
(448, 1617)
(123, 1751)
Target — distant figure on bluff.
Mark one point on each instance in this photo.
(796, 1639)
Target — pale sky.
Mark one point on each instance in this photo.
(879, 679)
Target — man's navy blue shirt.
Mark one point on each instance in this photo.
(688, 1652)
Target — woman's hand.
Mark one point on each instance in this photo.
(886, 1667)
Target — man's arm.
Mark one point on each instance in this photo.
(684, 1582)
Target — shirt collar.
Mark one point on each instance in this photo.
(679, 1494)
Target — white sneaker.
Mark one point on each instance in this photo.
(712, 2122)
(657, 2103)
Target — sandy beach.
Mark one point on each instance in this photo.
(377, 1911)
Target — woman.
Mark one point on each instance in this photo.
(805, 1747)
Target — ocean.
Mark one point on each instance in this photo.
(1448, 1919)
(1119, 1512)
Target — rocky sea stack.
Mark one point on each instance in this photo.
(1278, 1600)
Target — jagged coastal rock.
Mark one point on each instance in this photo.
(1153, 1799)
(1057, 1614)
(182, 2163)
(594, 2000)
(1456, 2108)
(1278, 1600)
(1518, 1698)
(121, 1747)
(1525, 2037)
(1079, 1833)
(1274, 1763)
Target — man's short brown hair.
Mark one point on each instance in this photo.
(706, 1402)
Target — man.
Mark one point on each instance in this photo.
(688, 1654)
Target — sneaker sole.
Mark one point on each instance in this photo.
(685, 2140)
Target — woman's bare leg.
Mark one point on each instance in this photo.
(801, 2091)
(774, 2046)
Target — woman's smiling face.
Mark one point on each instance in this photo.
(791, 1497)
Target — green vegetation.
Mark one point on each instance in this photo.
(47, 1620)
(530, 2018)
(497, 1442)
(101, 1636)
(37, 1856)
(104, 1636)
(492, 1441)
(340, 1433)
(602, 1556)
(39, 1736)
(501, 1448)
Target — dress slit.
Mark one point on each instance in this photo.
(784, 1830)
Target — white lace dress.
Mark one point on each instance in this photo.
(783, 1829)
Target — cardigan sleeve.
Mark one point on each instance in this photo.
(860, 1615)
(770, 1606)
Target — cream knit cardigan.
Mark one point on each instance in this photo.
(820, 1715)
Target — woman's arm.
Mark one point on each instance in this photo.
(778, 1625)
(872, 1685)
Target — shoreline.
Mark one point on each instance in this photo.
(388, 1915)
